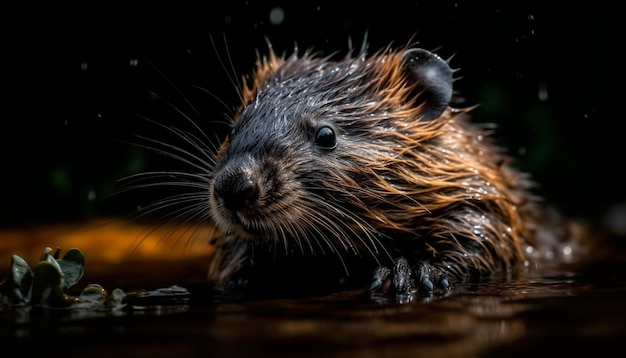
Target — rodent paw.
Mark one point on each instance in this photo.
(403, 282)
(381, 281)
(406, 281)
(398, 280)
(430, 278)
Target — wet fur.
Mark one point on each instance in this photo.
(409, 177)
(396, 185)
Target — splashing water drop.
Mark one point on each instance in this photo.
(277, 16)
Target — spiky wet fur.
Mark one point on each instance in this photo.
(395, 185)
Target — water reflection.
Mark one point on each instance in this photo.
(576, 309)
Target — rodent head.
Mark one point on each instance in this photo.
(330, 154)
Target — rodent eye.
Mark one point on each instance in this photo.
(325, 138)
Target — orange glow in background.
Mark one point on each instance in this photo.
(118, 252)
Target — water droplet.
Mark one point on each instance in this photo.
(83, 66)
(543, 91)
(91, 195)
(134, 62)
(277, 16)
(567, 250)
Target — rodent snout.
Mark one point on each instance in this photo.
(235, 188)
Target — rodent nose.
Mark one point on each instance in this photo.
(235, 189)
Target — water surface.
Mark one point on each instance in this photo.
(571, 309)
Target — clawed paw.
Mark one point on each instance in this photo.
(405, 280)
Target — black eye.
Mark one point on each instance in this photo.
(325, 138)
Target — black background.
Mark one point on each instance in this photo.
(75, 75)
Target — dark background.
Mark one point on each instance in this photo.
(76, 75)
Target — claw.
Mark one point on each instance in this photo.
(381, 282)
(430, 278)
(426, 285)
(443, 283)
(402, 280)
(405, 280)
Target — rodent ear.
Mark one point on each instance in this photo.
(432, 77)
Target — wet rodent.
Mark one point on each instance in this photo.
(358, 172)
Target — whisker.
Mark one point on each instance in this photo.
(230, 111)
(202, 166)
(230, 71)
(372, 245)
(190, 120)
(174, 201)
(173, 86)
(194, 141)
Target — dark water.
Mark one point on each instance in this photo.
(570, 310)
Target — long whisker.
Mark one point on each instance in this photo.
(230, 71)
(173, 86)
